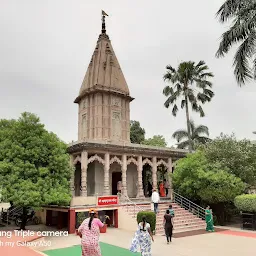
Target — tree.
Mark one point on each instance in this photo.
(190, 84)
(197, 137)
(197, 179)
(137, 133)
(242, 13)
(34, 165)
(156, 140)
(238, 157)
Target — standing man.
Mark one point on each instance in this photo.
(166, 186)
(155, 200)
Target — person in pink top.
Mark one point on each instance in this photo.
(89, 231)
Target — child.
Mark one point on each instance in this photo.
(171, 211)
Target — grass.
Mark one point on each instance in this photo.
(106, 250)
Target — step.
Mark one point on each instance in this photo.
(161, 216)
(182, 228)
(176, 231)
(180, 220)
(189, 223)
(178, 210)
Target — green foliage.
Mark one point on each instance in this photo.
(236, 157)
(242, 16)
(137, 133)
(34, 165)
(81, 217)
(150, 218)
(156, 140)
(197, 179)
(246, 203)
(197, 136)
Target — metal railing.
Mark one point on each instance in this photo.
(189, 205)
(126, 201)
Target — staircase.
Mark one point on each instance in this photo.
(188, 215)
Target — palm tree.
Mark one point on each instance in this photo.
(197, 133)
(241, 32)
(190, 84)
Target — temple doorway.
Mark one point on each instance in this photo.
(162, 176)
(147, 180)
(116, 176)
(78, 179)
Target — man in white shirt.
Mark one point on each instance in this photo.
(155, 198)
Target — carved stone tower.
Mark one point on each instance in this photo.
(104, 97)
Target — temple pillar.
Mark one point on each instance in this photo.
(71, 221)
(154, 172)
(124, 170)
(140, 193)
(106, 175)
(169, 177)
(72, 179)
(84, 165)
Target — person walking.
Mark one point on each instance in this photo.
(155, 198)
(142, 239)
(89, 232)
(209, 219)
(168, 226)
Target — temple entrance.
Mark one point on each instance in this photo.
(116, 176)
(161, 179)
(78, 179)
(147, 180)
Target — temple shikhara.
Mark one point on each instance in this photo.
(103, 154)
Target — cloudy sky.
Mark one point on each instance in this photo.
(46, 46)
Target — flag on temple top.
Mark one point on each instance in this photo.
(103, 13)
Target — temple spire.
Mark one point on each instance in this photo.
(103, 29)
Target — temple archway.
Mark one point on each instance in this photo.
(95, 175)
(115, 175)
(147, 180)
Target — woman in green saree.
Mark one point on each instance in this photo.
(209, 219)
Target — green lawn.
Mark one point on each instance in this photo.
(106, 250)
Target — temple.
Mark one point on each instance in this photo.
(103, 154)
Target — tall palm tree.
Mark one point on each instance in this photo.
(190, 84)
(197, 135)
(242, 13)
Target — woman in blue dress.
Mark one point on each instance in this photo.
(142, 239)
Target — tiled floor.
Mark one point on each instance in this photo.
(15, 245)
(225, 243)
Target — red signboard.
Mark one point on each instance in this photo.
(107, 200)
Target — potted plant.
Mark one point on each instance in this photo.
(80, 218)
(104, 228)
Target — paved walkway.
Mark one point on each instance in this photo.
(16, 245)
(235, 243)
(230, 242)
